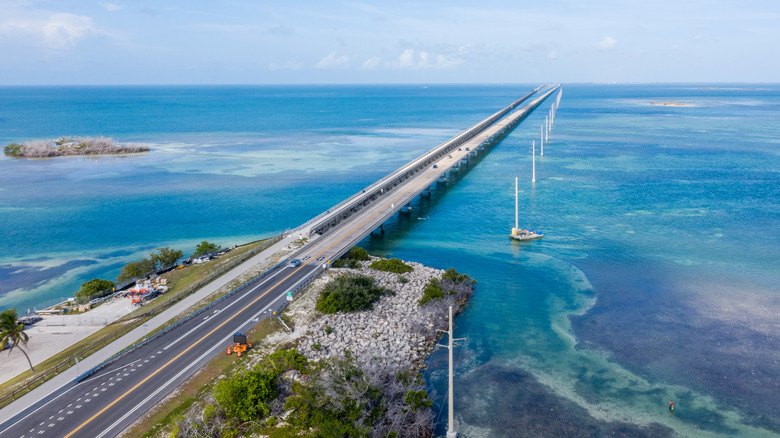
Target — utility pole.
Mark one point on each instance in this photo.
(533, 162)
(542, 140)
(451, 420)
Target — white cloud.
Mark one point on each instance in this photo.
(409, 59)
(607, 44)
(372, 63)
(112, 7)
(406, 60)
(59, 31)
(332, 61)
(552, 54)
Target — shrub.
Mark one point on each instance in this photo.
(205, 248)
(451, 283)
(402, 279)
(13, 150)
(165, 257)
(349, 293)
(432, 291)
(95, 288)
(358, 253)
(453, 275)
(328, 329)
(245, 396)
(135, 270)
(395, 266)
(353, 264)
(338, 263)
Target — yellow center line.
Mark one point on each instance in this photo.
(92, 418)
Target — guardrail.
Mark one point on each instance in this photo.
(425, 159)
(107, 339)
(148, 339)
(295, 290)
(493, 139)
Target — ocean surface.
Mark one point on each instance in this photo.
(657, 278)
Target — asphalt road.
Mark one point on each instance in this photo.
(107, 402)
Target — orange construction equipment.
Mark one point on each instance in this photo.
(241, 344)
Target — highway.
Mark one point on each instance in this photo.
(108, 401)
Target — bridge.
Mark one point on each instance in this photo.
(106, 399)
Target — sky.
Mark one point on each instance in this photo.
(70, 42)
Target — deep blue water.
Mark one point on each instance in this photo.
(656, 280)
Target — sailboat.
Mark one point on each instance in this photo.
(519, 234)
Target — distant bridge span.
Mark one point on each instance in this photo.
(475, 138)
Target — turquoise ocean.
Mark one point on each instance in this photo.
(657, 278)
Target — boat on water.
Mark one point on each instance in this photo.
(519, 234)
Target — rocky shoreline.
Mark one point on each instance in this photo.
(397, 334)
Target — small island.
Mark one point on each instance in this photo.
(671, 103)
(71, 146)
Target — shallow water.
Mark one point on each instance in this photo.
(656, 279)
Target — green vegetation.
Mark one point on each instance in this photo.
(352, 258)
(358, 253)
(95, 288)
(432, 291)
(453, 275)
(391, 265)
(451, 283)
(12, 331)
(205, 248)
(245, 395)
(163, 258)
(331, 398)
(402, 279)
(13, 150)
(349, 293)
(71, 146)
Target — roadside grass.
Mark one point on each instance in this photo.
(178, 281)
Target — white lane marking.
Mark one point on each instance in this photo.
(61, 418)
(169, 381)
(69, 412)
(171, 344)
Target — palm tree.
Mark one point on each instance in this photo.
(11, 330)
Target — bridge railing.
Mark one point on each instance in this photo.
(489, 141)
(423, 160)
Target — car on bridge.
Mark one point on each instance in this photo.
(294, 263)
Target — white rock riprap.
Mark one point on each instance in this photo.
(397, 334)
